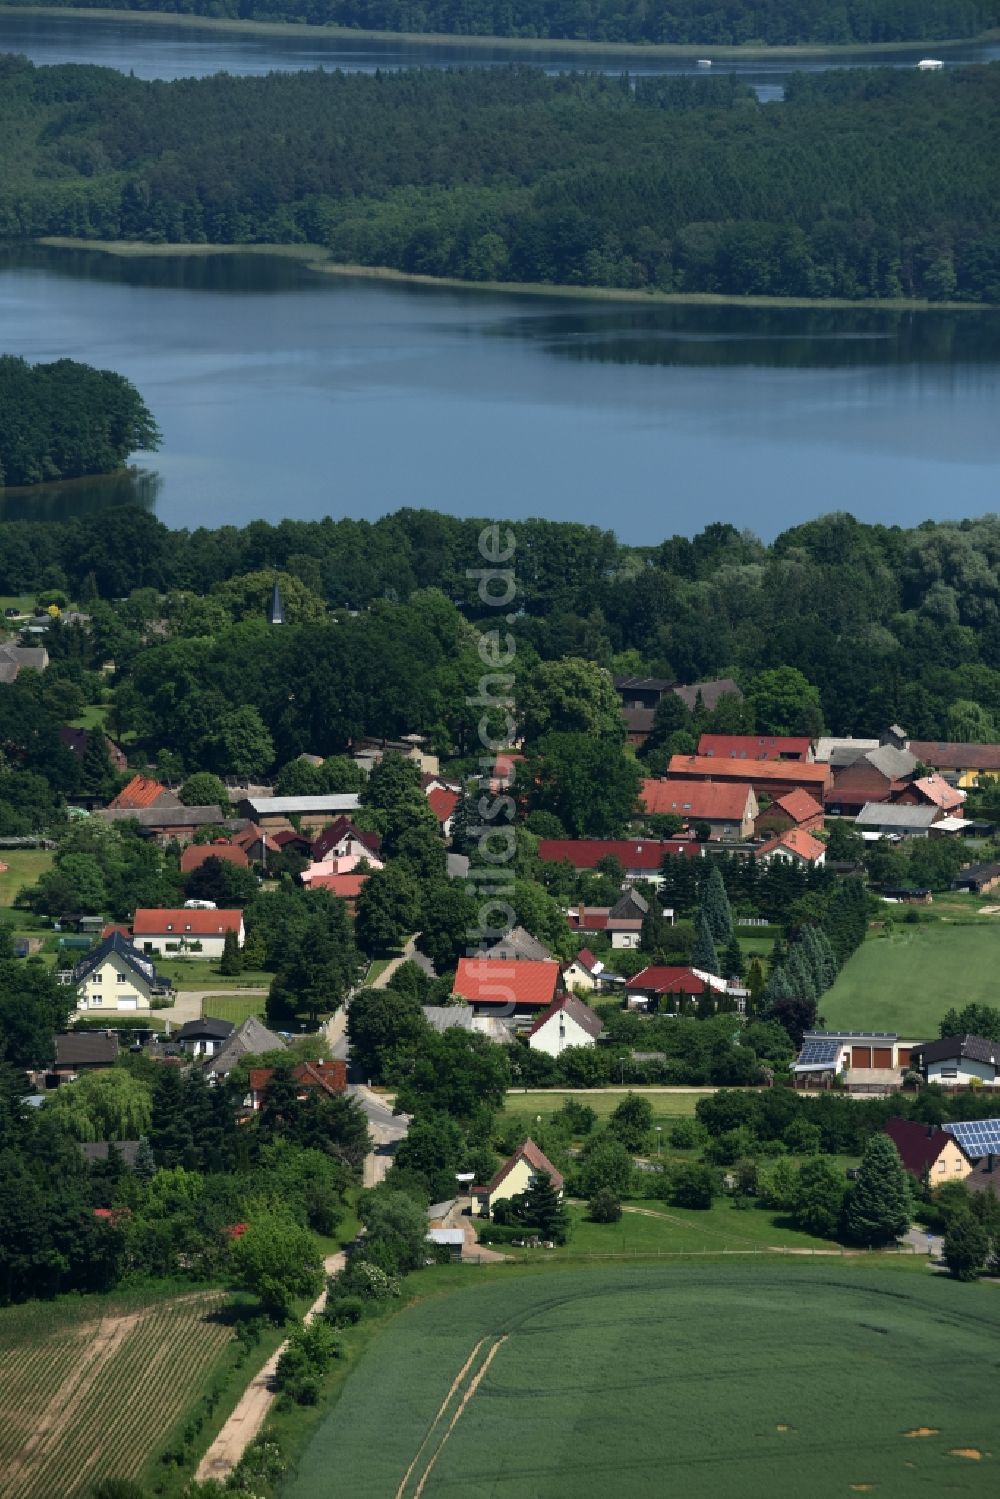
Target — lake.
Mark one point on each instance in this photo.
(171, 51)
(283, 392)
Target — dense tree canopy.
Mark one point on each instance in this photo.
(861, 184)
(64, 420)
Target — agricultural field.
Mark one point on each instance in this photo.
(906, 981)
(91, 1387)
(765, 1381)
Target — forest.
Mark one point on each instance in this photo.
(732, 23)
(882, 624)
(862, 184)
(64, 420)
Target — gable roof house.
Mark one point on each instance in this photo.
(181, 932)
(514, 990)
(17, 658)
(792, 809)
(757, 747)
(927, 1151)
(141, 792)
(710, 693)
(770, 776)
(957, 1060)
(963, 763)
(442, 802)
(203, 1038)
(793, 847)
(516, 1175)
(519, 946)
(584, 972)
(115, 975)
(84, 1051)
(567, 1022)
(669, 987)
(729, 810)
(197, 854)
(341, 839)
(326, 1078)
(639, 857)
(250, 1038)
(346, 887)
(932, 791)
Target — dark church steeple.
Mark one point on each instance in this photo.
(276, 613)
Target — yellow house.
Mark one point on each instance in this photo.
(965, 765)
(517, 1174)
(928, 1152)
(115, 975)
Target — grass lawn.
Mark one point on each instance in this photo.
(93, 714)
(668, 1106)
(906, 981)
(81, 1376)
(650, 1228)
(765, 1380)
(379, 965)
(24, 867)
(234, 1007)
(203, 973)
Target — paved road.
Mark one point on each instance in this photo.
(253, 1405)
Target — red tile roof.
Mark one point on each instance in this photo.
(589, 918)
(442, 803)
(344, 886)
(536, 1159)
(935, 789)
(140, 792)
(632, 853)
(756, 746)
(664, 978)
(195, 854)
(153, 922)
(329, 1077)
(586, 959)
(798, 842)
(754, 772)
(586, 1018)
(343, 827)
(919, 1145)
(697, 799)
(499, 981)
(798, 805)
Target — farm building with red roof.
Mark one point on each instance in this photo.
(729, 810)
(518, 987)
(757, 747)
(186, 930)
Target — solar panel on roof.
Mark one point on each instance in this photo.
(814, 1053)
(977, 1137)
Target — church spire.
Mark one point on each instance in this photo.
(276, 613)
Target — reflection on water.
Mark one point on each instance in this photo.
(81, 496)
(284, 392)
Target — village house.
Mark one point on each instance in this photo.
(890, 820)
(350, 864)
(115, 975)
(342, 840)
(250, 1038)
(792, 809)
(273, 813)
(584, 972)
(855, 1057)
(84, 1051)
(728, 810)
(17, 658)
(516, 991)
(757, 747)
(966, 765)
(519, 1172)
(640, 858)
(641, 696)
(184, 931)
(765, 776)
(442, 1018)
(197, 854)
(165, 822)
(346, 887)
(668, 989)
(368, 752)
(255, 843)
(567, 1022)
(793, 847)
(932, 791)
(326, 1078)
(204, 1037)
(928, 1152)
(959, 1060)
(985, 1174)
(442, 802)
(978, 878)
(142, 791)
(519, 946)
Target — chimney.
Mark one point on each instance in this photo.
(990, 1159)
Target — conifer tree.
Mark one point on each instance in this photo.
(145, 1162)
(704, 955)
(732, 959)
(232, 958)
(97, 774)
(542, 1207)
(715, 904)
(880, 1205)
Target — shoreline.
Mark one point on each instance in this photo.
(681, 51)
(317, 259)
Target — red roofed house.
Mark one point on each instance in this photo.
(507, 987)
(442, 803)
(142, 792)
(757, 747)
(793, 847)
(672, 987)
(329, 1078)
(584, 972)
(516, 1175)
(196, 854)
(934, 791)
(792, 809)
(567, 1022)
(639, 857)
(181, 932)
(344, 886)
(729, 810)
(342, 839)
(504, 770)
(858, 784)
(763, 775)
(256, 844)
(928, 1151)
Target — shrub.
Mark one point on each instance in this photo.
(965, 1246)
(604, 1207)
(687, 1134)
(693, 1186)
